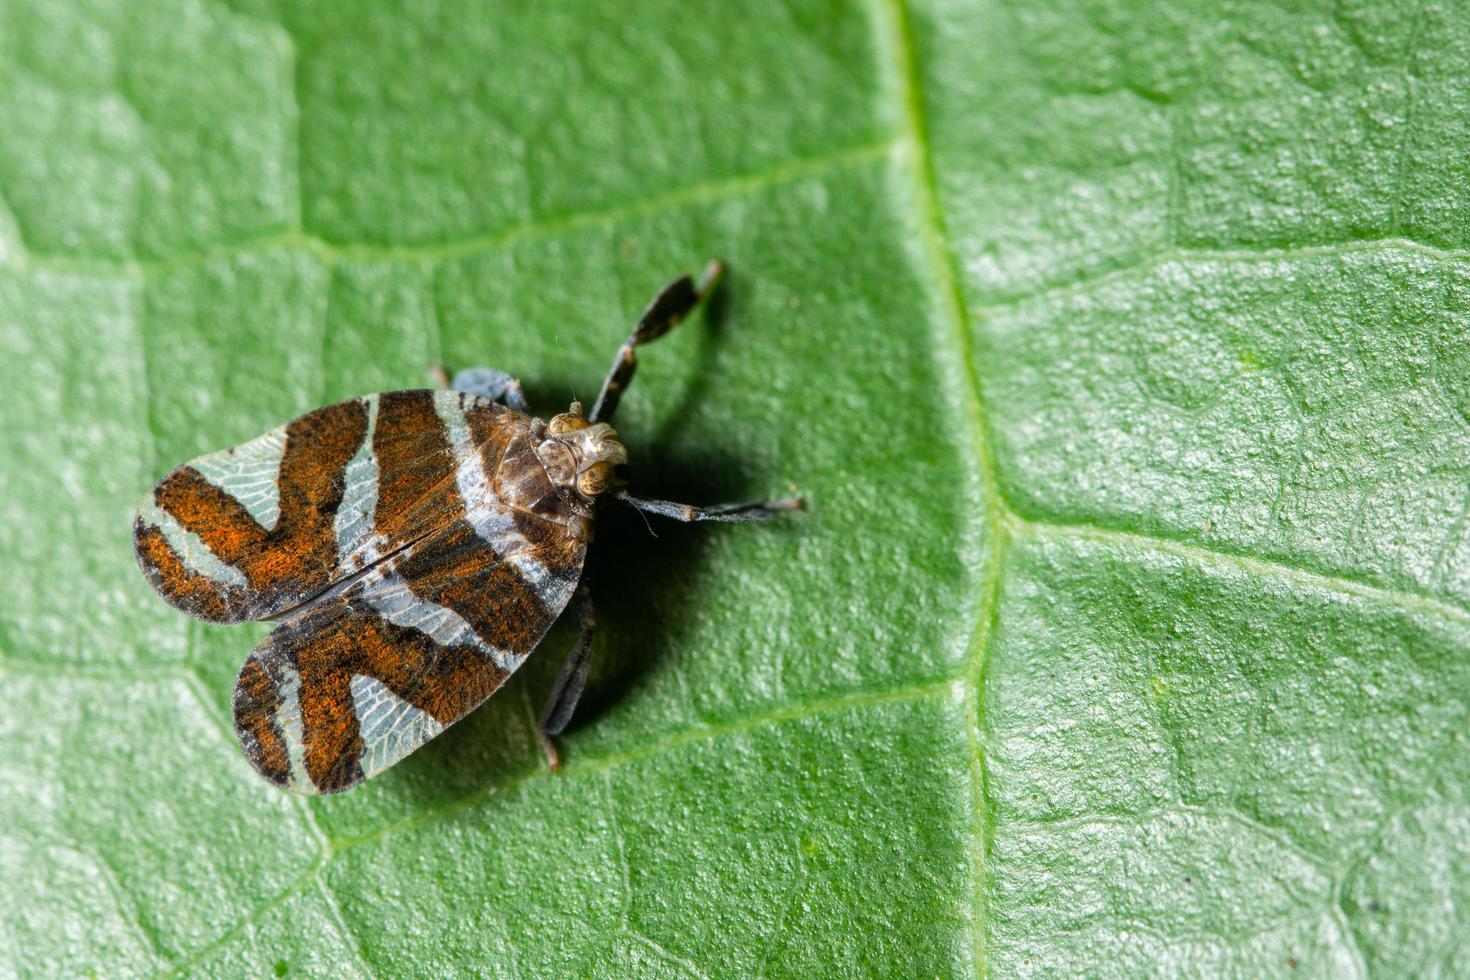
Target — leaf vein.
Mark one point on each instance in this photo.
(1411, 601)
(1089, 282)
(660, 747)
(333, 252)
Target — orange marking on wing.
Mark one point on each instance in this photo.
(300, 552)
(416, 487)
(332, 646)
(218, 519)
(333, 744)
(197, 594)
(445, 682)
(463, 573)
(318, 448)
(256, 703)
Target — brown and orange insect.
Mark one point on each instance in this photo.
(414, 547)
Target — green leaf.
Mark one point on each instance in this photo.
(1120, 349)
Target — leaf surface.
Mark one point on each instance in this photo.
(1119, 348)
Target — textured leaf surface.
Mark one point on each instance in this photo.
(1120, 348)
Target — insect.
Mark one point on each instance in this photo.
(413, 547)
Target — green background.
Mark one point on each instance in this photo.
(1120, 349)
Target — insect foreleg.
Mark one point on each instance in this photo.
(487, 383)
(750, 510)
(668, 308)
(567, 690)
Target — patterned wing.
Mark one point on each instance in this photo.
(254, 531)
(347, 686)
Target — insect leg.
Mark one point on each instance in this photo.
(750, 510)
(494, 385)
(567, 690)
(670, 306)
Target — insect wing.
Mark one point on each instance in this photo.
(346, 687)
(254, 531)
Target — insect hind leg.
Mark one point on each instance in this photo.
(492, 384)
(669, 307)
(567, 691)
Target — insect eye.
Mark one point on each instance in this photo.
(566, 422)
(595, 479)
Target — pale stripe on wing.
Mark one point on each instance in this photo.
(358, 544)
(494, 522)
(390, 727)
(293, 729)
(191, 549)
(250, 473)
(390, 596)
